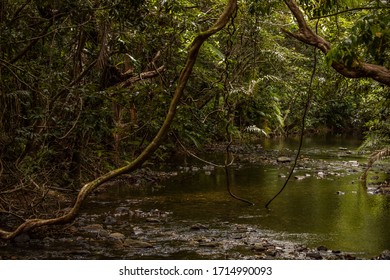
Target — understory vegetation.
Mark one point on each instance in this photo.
(86, 85)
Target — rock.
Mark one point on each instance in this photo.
(298, 177)
(122, 211)
(22, 238)
(271, 252)
(198, 227)
(92, 228)
(314, 255)
(322, 248)
(117, 236)
(301, 248)
(283, 159)
(340, 193)
(153, 220)
(110, 220)
(349, 257)
(353, 163)
(95, 230)
(259, 247)
(137, 244)
(385, 255)
(138, 231)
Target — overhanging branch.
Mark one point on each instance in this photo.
(358, 70)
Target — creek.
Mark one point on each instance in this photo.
(191, 215)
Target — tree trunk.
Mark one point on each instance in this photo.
(147, 152)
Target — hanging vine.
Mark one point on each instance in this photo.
(229, 158)
(303, 120)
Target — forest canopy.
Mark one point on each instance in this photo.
(86, 85)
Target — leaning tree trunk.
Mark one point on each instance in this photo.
(153, 145)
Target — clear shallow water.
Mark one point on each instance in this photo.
(309, 211)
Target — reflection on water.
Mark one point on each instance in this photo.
(309, 211)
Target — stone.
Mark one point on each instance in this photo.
(117, 236)
(153, 220)
(314, 255)
(110, 220)
(122, 211)
(259, 247)
(198, 227)
(137, 244)
(322, 248)
(283, 159)
(22, 238)
(385, 255)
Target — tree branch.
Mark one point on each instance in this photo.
(153, 146)
(143, 75)
(360, 70)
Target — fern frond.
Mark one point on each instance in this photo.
(376, 156)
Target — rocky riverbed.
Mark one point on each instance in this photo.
(135, 234)
(125, 230)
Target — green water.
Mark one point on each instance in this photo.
(309, 211)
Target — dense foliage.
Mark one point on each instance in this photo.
(85, 85)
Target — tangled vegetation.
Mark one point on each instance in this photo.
(86, 85)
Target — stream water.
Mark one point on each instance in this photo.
(327, 205)
(192, 216)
